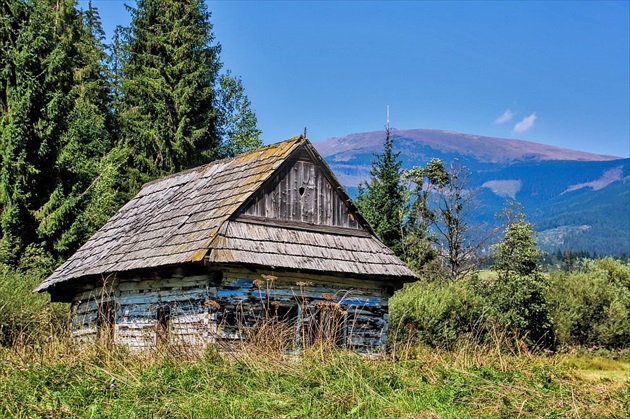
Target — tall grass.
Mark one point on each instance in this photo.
(63, 378)
(27, 318)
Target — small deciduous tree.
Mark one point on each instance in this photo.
(442, 202)
(453, 202)
(517, 296)
(237, 121)
(418, 242)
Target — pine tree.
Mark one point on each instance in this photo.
(81, 131)
(381, 200)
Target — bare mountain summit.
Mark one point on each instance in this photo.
(417, 142)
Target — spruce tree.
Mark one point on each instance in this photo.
(381, 199)
(81, 131)
(176, 109)
(54, 123)
(65, 220)
(169, 70)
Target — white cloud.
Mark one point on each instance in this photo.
(526, 123)
(505, 116)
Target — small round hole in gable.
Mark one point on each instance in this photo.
(301, 190)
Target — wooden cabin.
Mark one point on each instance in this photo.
(209, 254)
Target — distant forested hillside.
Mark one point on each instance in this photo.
(578, 201)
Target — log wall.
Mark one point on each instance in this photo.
(226, 306)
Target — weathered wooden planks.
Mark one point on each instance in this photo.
(302, 193)
(204, 311)
(285, 247)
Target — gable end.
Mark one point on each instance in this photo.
(300, 192)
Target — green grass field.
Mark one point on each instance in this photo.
(60, 380)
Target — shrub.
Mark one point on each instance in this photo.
(437, 313)
(592, 306)
(517, 306)
(516, 295)
(26, 317)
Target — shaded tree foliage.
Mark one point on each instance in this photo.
(82, 130)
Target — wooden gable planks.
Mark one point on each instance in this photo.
(301, 192)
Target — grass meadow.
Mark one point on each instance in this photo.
(46, 374)
(62, 379)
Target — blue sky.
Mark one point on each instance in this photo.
(551, 72)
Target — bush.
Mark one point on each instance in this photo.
(437, 313)
(516, 295)
(26, 317)
(516, 305)
(591, 307)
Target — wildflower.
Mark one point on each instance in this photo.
(270, 278)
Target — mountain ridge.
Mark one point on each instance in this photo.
(485, 149)
(568, 193)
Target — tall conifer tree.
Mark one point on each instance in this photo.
(381, 200)
(78, 136)
(65, 220)
(171, 65)
(176, 109)
(54, 123)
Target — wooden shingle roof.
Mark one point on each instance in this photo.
(261, 245)
(184, 217)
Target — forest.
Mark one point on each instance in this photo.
(489, 330)
(84, 123)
